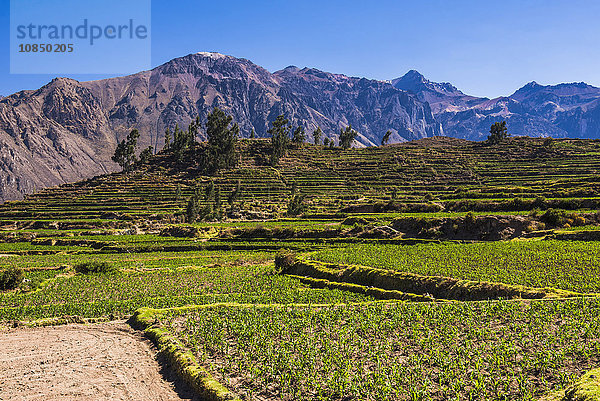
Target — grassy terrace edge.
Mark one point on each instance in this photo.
(415, 285)
(181, 360)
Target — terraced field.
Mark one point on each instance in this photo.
(435, 270)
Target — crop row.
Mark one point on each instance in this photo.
(396, 351)
(568, 265)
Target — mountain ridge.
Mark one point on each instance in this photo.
(67, 130)
(565, 110)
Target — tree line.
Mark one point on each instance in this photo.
(220, 147)
(222, 135)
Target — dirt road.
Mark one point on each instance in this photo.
(106, 361)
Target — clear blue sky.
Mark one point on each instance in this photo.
(484, 48)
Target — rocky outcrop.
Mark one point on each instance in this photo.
(56, 134)
(484, 228)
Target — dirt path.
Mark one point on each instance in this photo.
(106, 361)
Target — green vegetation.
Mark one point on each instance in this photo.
(498, 133)
(280, 138)
(93, 295)
(571, 266)
(221, 140)
(184, 141)
(329, 272)
(391, 351)
(347, 137)
(386, 138)
(124, 154)
(299, 135)
(95, 267)
(317, 135)
(11, 277)
(146, 155)
(296, 204)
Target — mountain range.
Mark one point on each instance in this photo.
(569, 110)
(68, 130)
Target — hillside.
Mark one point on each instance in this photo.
(434, 174)
(67, 130)
(434, 250)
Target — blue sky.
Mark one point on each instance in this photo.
(484, 48)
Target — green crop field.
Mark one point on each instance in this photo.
(571, 266)
(479, 351)
(434, 270)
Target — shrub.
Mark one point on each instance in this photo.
(284, 260)
(95, 267)
(540, 202)
(579, 221)
(470, 219)
(11, 278)
(296, 203)
(554, 217)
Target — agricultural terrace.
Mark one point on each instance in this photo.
(439, 269)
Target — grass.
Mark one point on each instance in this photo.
(141, 260)
(100, 295)
(573, 266)
(479, 351)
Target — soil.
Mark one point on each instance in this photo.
(105, 361)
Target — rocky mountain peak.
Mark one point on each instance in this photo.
(75, 125)
(414, 81)
(414, 76)
(291, 69)
(575, 91)
(213, 55)
(526, 89)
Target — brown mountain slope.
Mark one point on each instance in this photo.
(67, 130)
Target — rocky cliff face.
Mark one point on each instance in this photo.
(67, 130)
(58, 133)
(371, 107)
(193, 85)
(565, 110)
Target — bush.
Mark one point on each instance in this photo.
(95, 267)
(11, 278)
(284, 260)
(470, 219)
(554, 217)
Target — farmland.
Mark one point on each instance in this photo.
(396, 351)
(433, 270)
(565, 265)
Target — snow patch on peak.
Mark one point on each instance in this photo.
(213, 55)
